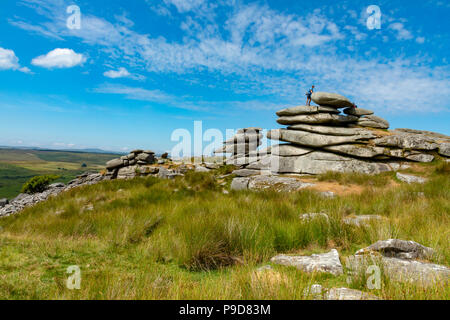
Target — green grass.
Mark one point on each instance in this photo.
(379, 180)
(18, 166)
(185, 239)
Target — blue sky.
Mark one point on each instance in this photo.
(137, 70)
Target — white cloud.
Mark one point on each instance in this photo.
(420, 40)
(402, 33)
(121, 73)
(59, 58)
(9, 61)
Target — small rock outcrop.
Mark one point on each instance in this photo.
(136, 158)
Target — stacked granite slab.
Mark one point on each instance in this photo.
(242, 147)
(320, 138)
(127, 165)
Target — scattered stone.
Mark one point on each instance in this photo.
(410, 179)
(331, 99)
(402, 249)
(286, 184)
(362, 220)
(328, 194)
(246, 172)
(326, 262)
(201, 169)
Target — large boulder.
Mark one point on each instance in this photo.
(113, 164)
(331, 99)
(146, 158)
(333, 131)
(402, 249)
(358, 150)
(286, 184)
(320, 118)
(444, 149)
(326, 262)
(319, 162)
(313, 139)
(373, 121)
(295, 111)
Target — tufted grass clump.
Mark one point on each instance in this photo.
(38, 184)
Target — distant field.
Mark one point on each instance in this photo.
(17, 166)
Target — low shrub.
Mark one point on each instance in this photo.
(38, 184)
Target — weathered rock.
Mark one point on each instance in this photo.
(317, 292)
(358, 112)
(326, 262)
(331, 99)
(320, 118)
(242, 159)
(333, 131)
(409, 178)
(444, 149)
(373, 121)
(246, 172)
(212, 166)
(318, 162)
(402, 249)
(239, 183)
(406, 141)
(362, 220)
(402, 270)
(146, 158)
(149, 152)
(295, 111)
(113, 164)
(287, 150)
(56, 185)
(131, 156)
(358, 150)
(129, 172)
(421, 157)
(287, 184)
(264, 163)
(167, 174)
(312, 139)
(137, 151)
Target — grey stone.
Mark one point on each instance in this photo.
(212, 166)
(309, 139)
(358, 150)
(149, 152)
(250, 129)
(113, 164)
(317, 292)
(331, 99)
(264, 163)
(402, 249)
(137, 151)
(318, 162)
(239, 183)
(320, 118)
(285, 184)
(146, 158)
(326, 262)
(56, 185)
(129, 172)
(402, 270)
(287, 150)
(239, 148)
(295, 111)
(421, 157)
(246, 172)
(328, 194)
(334, 131)
(358, 112)
(406, 141)
(244, 138)
(444, 149)
(131, 156)
(409, 178)
(373, 122)
(167, 174)
(242, 160)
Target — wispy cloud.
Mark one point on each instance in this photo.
(9, 61)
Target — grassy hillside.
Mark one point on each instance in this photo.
(186, 239)
(17, 166)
